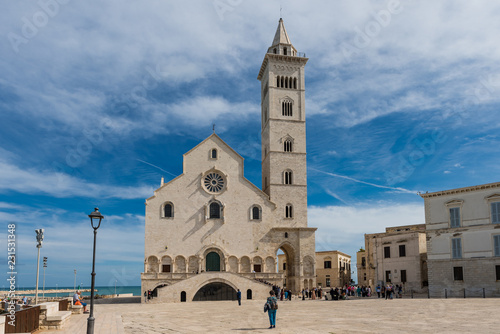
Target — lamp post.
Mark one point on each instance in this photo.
(115, 288)
(44, 266)
(95, 221)
(39, 240)
(74, 285)
(56, 290)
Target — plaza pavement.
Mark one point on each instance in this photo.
(363, 315)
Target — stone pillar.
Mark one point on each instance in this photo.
(239, 266)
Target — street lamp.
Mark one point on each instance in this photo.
(44, 266)
(95, 221)
(39, 240)
(74, 286)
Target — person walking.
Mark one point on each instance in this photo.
(272, 303)
(378, 291)
(145, 296)
(238, 296)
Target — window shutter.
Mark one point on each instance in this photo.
(495, 212)
(456, 248)
(496, 242)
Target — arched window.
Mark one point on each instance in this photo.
(286, 234)
(275, 51)
(256, 213)
(213, 153)
(287, 177)
(278, 81)
(168, 210)
(286, 82)
(289, 211)
(282, 82)
(287, 108)
(285, 51)
(290, 81)
(287, 146)
(215, 210)
(295, 83)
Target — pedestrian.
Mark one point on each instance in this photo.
(238, 296)
(145, 296)
(378, 291)
(272, 303)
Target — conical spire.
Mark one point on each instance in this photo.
(281, 42)
(281, 37)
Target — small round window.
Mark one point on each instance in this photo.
(214, 182)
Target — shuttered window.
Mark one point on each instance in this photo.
(454, 217)
(495, 213)
(456, 248)
(496, 245)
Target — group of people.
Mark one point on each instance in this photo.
(148, 295)
(389, 291)
(312, 293)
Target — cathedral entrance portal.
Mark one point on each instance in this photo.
(213, 262)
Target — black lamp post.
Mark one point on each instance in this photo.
(95, 221)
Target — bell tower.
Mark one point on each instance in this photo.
(284, 169)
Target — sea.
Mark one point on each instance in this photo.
(100, 290)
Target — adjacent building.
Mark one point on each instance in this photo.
(333, 268)
(210, 231)
(463, 241)
(398, 256)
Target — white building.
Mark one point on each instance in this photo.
(463, 241)
(210, 231)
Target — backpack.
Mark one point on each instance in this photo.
(273, 304)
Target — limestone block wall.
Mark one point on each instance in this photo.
(172, 293)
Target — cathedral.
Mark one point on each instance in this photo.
(210, 232)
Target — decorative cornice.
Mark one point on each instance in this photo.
(461, 190)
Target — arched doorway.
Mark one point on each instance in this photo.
(154, 293)
(212, 262)
(286, 265)
(249, 294)
(183, 296)
(215, 291)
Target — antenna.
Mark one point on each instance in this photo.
(281, 8)
(213, 127)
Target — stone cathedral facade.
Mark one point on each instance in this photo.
(210, 231)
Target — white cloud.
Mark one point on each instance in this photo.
(33, 181)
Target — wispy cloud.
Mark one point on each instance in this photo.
(398, 189)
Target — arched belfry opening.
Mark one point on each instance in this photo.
(287, 266)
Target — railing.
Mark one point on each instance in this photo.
(63, 305)
(301, 54)
(26, 321)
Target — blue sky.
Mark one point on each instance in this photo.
(98, 102)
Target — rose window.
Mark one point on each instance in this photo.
(214, 182)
